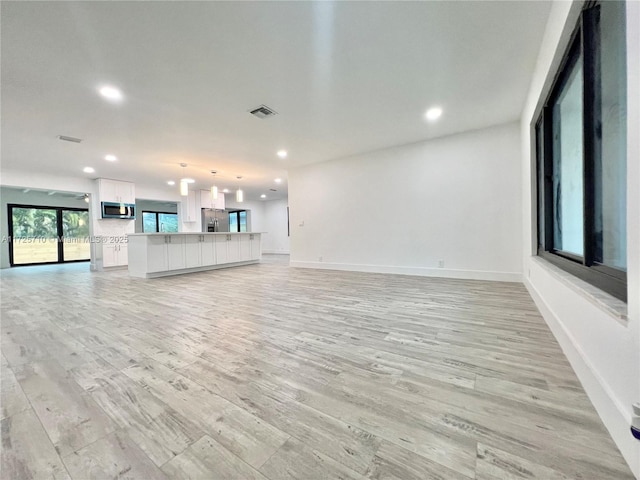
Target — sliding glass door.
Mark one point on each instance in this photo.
(41, 235)
(34, 235)
(75, 232)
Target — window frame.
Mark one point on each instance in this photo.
(59, 230)
(237, 214)
(584, 41)
(157, 218)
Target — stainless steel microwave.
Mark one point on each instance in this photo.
(118, 210)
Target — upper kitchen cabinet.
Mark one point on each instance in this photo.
(116, 191)
(207, 202)
(189, 208)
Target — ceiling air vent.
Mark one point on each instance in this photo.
(263, 112)
(69, 139)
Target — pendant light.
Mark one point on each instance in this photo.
(184, 186)
(239, 192)
(214, 188)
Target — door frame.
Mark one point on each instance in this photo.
(60, 245)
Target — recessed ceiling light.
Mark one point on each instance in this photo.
(187, 180)
(263, 196)
(171, 182)
(110, 158)
(88, 169)
(282, 153)
(111, 93)
(433, 113)
(277, 180)
(226, 190)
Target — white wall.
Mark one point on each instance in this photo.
(404, 209)
(14, 178)
(170, 194)
(276, 239)
(255, 218)
(604, 352)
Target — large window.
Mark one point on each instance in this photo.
(41, 235)
(159, 222)
(238, 221)
(581, 143)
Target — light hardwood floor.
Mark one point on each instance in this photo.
(267, 371)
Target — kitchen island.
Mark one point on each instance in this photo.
(160, 254)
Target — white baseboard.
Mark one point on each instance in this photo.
(275, 252)
(614, 415)
(169, 273)
(417, 271)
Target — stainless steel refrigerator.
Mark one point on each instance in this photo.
(215, 220)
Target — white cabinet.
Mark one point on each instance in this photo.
(109, 255)
(233, 248)
(175, 252)
(189, 208)
(157, 255)
(256, 247)
(116, 191)
(114, 254)
(244, 242)
(107, 190)
(165, 252)
(221, 249)
(220, 203)
(208, 250)
(205, 199)
(200, 250)
(193, 250)
(207, 202)
(123, 253)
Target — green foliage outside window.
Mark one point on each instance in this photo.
(34, 222)
(75, 224)
(42, 223)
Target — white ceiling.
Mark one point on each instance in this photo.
(345, 78)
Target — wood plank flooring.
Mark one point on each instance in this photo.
(269, 372)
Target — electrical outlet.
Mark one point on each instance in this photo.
(440, 263)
